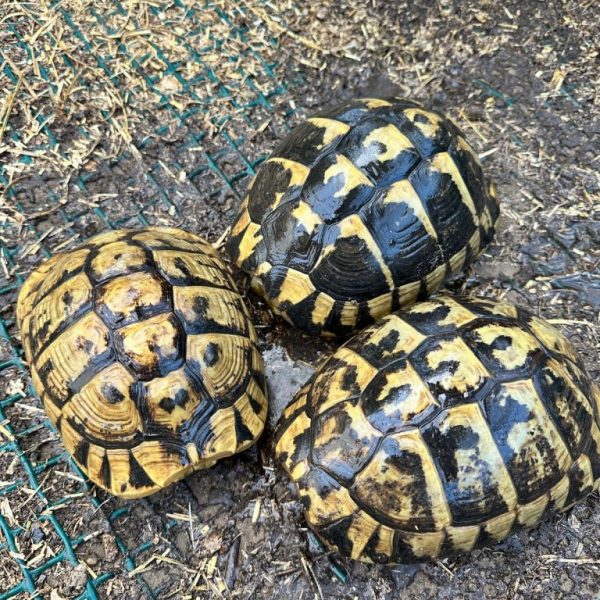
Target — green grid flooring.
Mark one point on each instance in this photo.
(230, 145)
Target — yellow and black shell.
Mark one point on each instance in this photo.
(144, 355)
(442, 428)
(362, 210)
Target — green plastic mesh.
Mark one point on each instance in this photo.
(225, 163)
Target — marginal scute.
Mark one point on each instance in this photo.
(439, 429)
(144, 356)
(377, 202)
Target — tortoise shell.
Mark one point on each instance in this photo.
(144, 355)
(362, 210)
(442, 428)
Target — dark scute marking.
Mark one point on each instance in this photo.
(558, 397)
(138, 478)
(111, 393)
(84, 344)
(370, 549)
(449, 215)
(346, 449)
(273, 280)
(271, 179)
(40, 339)
(381, 353)
(525, 475)
(180, 399)
(333, 323)
(211, 354)
(426, 146)
(141, 311)
(255, 404)
(593, 452)
(302, 445)
(288, 241)
(503, 418)
(201, 321)
(423, 293)
(259, 375)
(81, 452)
(168, 353)
(197, 428)
(105, 472)
(43, 330)
(502, 342)
(472, 175)
(256, 257)
(578, 487)
(385, 172)
(66, 275)
(337, 535)
(428, 323)
(320, 193)
(322, 384)
(350, 271)
(485, 352)
(403, 552)
(441, 380)
(305, 144)
(67, 299)
(408, 249)
(374, 406)
(242, 433)
(393, 491)
(118, 256)
(469, 504)
(319, 482)
(420, 118)
(181, 266)
(232, 244)
(96, 364)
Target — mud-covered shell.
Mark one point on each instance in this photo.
(362, 210)
(440, 429)
(144, 355)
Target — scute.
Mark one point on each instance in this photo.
(377, 201)
(439, 429)
(145, 357)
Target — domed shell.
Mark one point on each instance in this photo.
(144, 356)
(362, 210)
(442, 428)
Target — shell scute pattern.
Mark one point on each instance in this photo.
(440, 428)
(373, 203)
(145, 357)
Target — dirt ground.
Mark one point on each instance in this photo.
(521, 79)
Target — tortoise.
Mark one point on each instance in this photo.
(441, 428)
(145, 357)
(362, 210)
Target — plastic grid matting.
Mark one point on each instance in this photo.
(11, 437)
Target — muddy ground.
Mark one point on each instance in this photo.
(521, 78)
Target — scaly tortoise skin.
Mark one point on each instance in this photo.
(362, 210)
(144, 355)
(442, 428)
